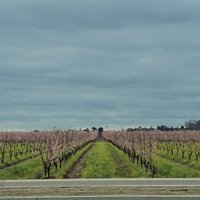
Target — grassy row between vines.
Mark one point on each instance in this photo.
(106, 161)
(32, 168)
(103, 161)
(177, 158)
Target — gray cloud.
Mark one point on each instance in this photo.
(89, 63)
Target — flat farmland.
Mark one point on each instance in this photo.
(78, 154)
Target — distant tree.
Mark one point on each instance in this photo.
(86, 130)
(100, 130)
(191, 124)
(162, 128)
(94, 128)
(198, 124)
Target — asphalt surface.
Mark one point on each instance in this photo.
(106, 197)
(70, 184)
(97, 182)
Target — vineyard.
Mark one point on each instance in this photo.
(88, 154)
(50, 149)
(150, 149)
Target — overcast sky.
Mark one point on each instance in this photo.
(84, 63)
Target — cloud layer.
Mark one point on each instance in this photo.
(78, 63)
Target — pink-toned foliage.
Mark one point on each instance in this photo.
(141, 145)
(54, 146)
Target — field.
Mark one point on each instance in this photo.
(111, 154)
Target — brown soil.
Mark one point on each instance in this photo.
(75, 171)
(79, 165)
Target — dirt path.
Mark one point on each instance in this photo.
(75, 171)
(121, 163)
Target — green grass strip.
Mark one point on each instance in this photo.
(171, 169)
(33, 169)
(29, 169)
(106, 161)
(190, 163)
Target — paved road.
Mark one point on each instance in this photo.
(97, 182)
(184, 189)
(106, 197)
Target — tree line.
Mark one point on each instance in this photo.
(188, 125)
